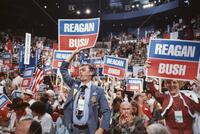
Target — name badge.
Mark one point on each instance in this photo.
(1, 89)
(178, 116)
(81, 103)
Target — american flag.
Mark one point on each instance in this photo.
(38, 77)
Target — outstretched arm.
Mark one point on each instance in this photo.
(64, 69)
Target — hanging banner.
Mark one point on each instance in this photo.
(134, 85)
(115, 66)
(37, 55)
(27, 49)
(77, 33)
(21, 57)
(174, 59)
(59, 57)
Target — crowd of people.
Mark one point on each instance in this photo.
(116, 111)
(82, 102)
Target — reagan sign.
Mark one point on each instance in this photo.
(174, 59)
(77, 33)
(115, 66)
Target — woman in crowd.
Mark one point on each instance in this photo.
(39, 112)
(178, 107)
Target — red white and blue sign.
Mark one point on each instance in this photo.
(97, 61)
(26, 82)
(115, 66)
(27, 77)
(174, 59)
(77, 33)
(4, 100)
(59, 57)
(7, 58)
(28, 72)
(134, 85)
(48, 70)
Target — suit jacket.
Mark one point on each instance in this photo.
(98, 104)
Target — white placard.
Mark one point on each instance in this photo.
(27, 49)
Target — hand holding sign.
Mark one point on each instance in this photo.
(69, 59)
(147, 64)
(197, 82)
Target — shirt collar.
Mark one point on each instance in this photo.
(88, 84)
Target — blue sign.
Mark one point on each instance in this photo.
(174, 59)
(16, 94)
(28, 72)
(7, 56)
(79, 27)
(77, 33)
(21, 56)
(37, 55)
(115, 66)
(175, 49)
(116, 62)
(61, 55)
(96, 61)
(134, 80)
(32, 62)
(4, 100)
(48, 70)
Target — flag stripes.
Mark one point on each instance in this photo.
(38, 79)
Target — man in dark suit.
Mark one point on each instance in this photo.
(83, 108)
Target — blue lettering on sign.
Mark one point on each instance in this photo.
(174, 49)
(79, 27)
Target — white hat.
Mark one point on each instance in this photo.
(50, 92)
(29, 92)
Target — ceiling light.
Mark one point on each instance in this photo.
(87, 11)
(78, 12)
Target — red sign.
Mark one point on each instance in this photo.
(172, 69)
(77, 33)
(174, 59)
(26, 82)
(134, 87)
(115, 66)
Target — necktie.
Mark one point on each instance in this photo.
(81, 97)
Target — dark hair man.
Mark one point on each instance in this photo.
(82, 109)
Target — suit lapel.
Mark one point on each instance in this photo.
(70, 96)
(91, 93)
